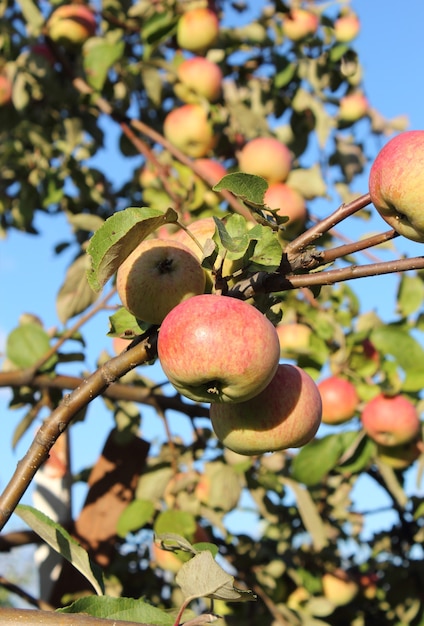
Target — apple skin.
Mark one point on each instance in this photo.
(346, 27)
(188, 128)
(286, 414)
(290, 203)
(119, 344)
(199, 77)
(391, 420)
(5, 90)
(400, 457)
(294, 338)
(212, 169)
(299, 24)
(353, 107)
(396, 181)
(267, 157)
(339, 400)
(339, 589)
(218, 349)
(71, 24)
(197, 30)
(156, 276)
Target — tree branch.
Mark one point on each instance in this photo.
(31, 617)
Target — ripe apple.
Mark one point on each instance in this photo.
(294, 338)
(395, 184)
(300, 23)
(190, 130)
(290, 203)
(340, 588)
(391, 420)
(353, 106)
(400, 457)
(286, 414)
(346, 27)
(71, 24)
(197, 30)
(5, 90)
(218, 349)
(339, 400)
(119, 344)
(267, 157)
(199, 77)
(156, 276)
(212, 169)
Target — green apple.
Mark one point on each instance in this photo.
(267, 157)
(286, 414)
(71, 24)
(215, 348)
(391, 420)
(190, 130)
(199, 77)
(197, 30)
(156, 276)
(339, 400)
(396, 181)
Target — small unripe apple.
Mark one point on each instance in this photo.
(339, 589)
(346, 27)
(218, 349)
(290, 203)
(339, 400)
(190, 130)
(5, 90)
(286, 414)
(156, 276)
(396, 181)
(267, 157)
(299, 24)
(199, 77)
(197, 30)
(294, 338)
(71, 24)
(353, 107)
(391, 420)
(400, 457)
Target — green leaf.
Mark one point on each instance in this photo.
(251, 189)
(408, 353)
(309, 182)
(137, 514)
(316, 459)
(267, 252)
(123, 609)
(232, 236)
(27, 344)
(75, 295)
(177, 522)
(118, 237)
(309, 513)
(410, 294)
(123, 324)
(33, 16)
(99, 55)
(202, 577)
(61, 541)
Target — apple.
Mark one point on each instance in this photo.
(119, 344)
(346, 27)
(294, 338)
(395, 184)
(215, 348)
(197, 30)
(391, 420)
(5, 90)
(199, 77)
(156, 276)
(400, 457)
(339, 400)
(290, 203)
(353, 106)
(71, 24)
(340, 588)
(190, 130)
(267, 157)
(286, 414)
(212, 169)
(299, 24)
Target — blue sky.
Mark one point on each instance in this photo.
(390, 38)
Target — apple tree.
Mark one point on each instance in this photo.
(222, 269)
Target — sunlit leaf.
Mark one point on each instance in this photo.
(27, 344)
(247, 187)
(123, 609)
(135, 516)
(75, 295)
(99, 55)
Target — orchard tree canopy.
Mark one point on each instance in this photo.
(225, 260)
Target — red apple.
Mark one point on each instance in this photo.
(290, 203)
(353, 107)
(286, 414)
(212, 169)
(197, 30)
(339, 400)
(346, 27)
(120, 344)
(199, 77)
(396, 181)
(340, 588)
(156, 276)
(71, 24)
(294, 338)
(391, 420)
(190, 130)
(218, 349)
(299, 24)
(267, 157)
(5, 90)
